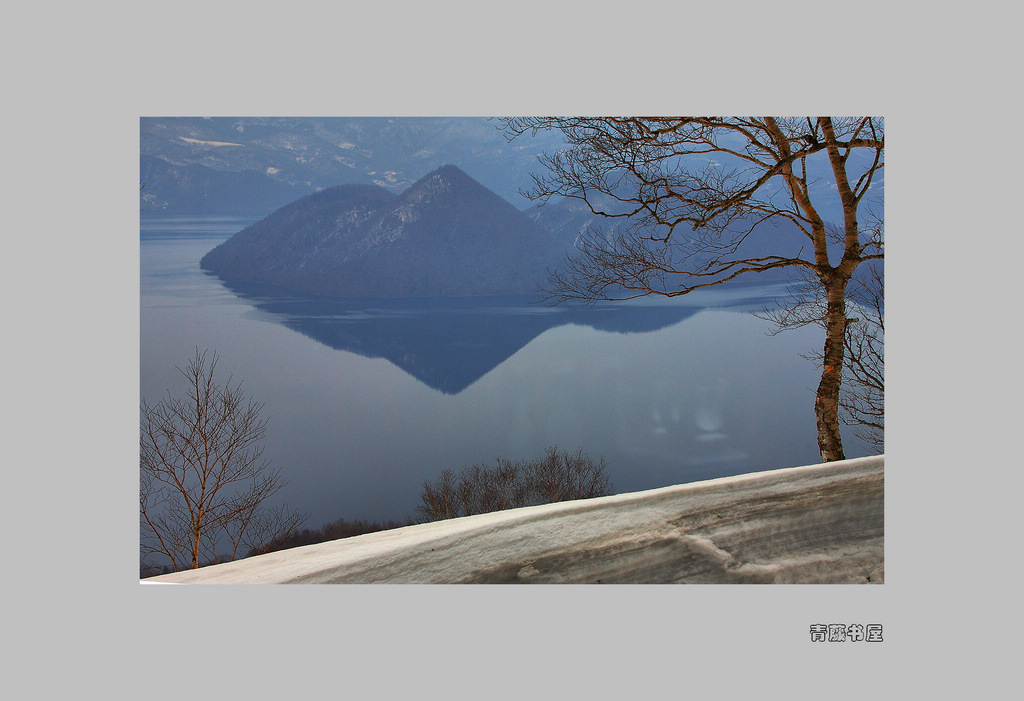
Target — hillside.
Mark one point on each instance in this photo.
(446, 235)
(189, 188)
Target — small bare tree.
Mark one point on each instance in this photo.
(203, 479)
(479, 489)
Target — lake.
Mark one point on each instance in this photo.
(367, 399)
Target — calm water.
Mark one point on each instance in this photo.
(367, 399)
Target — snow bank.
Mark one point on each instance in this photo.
(817, 523)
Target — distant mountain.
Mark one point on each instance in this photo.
(571, 218)
(446, 235)
(193, 188)
(253, 165)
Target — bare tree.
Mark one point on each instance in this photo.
(863, 396)
(441, 499)
(696, 194)
(862, 393)
(564, 476)
(479, 489)
(203, 479)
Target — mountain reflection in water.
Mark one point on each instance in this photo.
(447, 343)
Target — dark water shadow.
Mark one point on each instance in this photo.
(447, 343)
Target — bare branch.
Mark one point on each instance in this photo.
(693, 191)
(558, 476)
(202, 471)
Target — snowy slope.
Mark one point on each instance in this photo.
(818, 523)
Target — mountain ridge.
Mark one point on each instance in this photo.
(446, 235)
(253, 165)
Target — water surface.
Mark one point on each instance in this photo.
(366, 399)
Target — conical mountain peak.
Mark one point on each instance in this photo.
(450, 173)
(449, 170)
(450, 183)
(446, 235)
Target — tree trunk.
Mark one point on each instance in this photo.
(826, 402)
(196, 536)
